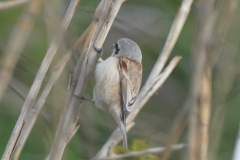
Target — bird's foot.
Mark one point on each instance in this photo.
(99, 50)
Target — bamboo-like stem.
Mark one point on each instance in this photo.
(39, 78)
(147, 151)
(32, 115)
(181, 121)
(16, 43)
(206, 19)
(173, 35)
(11, 4)
(146, 92)
(71, 113)
(205, 108)
(225, 75)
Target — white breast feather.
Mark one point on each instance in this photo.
(107, 81)
(107, 72)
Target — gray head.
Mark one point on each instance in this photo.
(129, 49)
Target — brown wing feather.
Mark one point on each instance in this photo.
(131, 78)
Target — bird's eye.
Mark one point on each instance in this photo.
(116, 48)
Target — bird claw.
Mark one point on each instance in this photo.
(99, 50)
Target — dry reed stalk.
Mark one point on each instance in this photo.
(205, 108)
(39, 78)
(32, 115)
(173, 35)
(70, 114)
(199, 57)
(200, 69)
(157, 69)
(10, 4)
(205, 98)
(226, 74)
(17, 42)
(205, 24)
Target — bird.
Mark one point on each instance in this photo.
(118, 80)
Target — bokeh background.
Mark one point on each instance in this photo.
(148, 24)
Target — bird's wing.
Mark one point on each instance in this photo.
(131, 78)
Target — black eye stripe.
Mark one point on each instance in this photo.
(117, 48)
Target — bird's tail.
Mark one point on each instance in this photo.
(121, 126)
(123, 130)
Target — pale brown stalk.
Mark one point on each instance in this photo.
(11, 4)
(205, 108)
(204, 39)
(16, 43)
(39, 78)
(205, 24)
(215, 45)
(226, 73)
(173, 35)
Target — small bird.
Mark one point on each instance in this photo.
(118, 80)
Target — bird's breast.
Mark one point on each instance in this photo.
(106, 90)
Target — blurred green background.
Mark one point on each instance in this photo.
(148, 24)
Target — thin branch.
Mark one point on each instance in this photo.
(226, 72)
(205, 108)
(11, 4)
(181, 120)
(147, 151)
(205, 24)
(173, 35)
(225, 75)
(16, 43)
(39, 78)
(32, 115)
